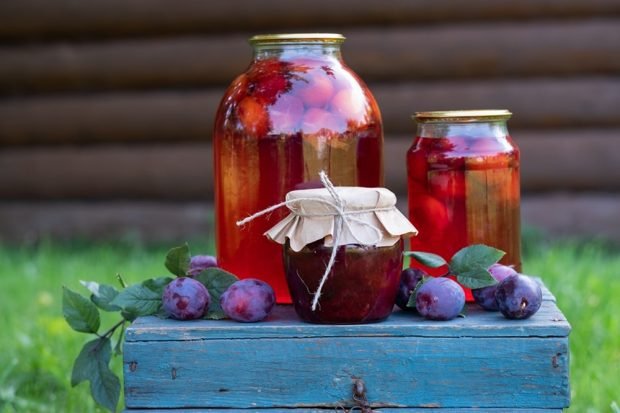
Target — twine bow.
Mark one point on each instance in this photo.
(342, 220)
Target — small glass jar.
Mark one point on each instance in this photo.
(297, 110)
(463, 181)
(343, 253)
(361, 287)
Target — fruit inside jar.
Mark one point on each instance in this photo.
(297, 110)
(463, 184)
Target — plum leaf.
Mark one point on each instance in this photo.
(178, 259)
(81, 314)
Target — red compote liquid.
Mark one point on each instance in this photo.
(463, 178)
(361, 287)
(297, 110)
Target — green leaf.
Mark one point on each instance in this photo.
(92, 352)
(411, 303)
(81, 314)
(102, 295)
(92, 364)
(427, 258)
(217, 281)
(138, 300)
(118, 347)
(177, 260)
(474, 257)
(477, 277)
(217, 314)
(412, 298)
(157, 285)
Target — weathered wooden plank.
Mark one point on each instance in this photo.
(188, 115)
(173, 116)
(102, 172)
(25, 222)
(184, 171)
(283, 323)
(70, 18)
(548, 160)
(536, 103)
(556, 214)
(506, 49)
(318, 372)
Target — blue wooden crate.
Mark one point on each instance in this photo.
(479, 363)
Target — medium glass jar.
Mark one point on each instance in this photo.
(463, 181)
(297, 110)
(343, 252)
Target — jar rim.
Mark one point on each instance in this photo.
(298, 38)
(478, 115)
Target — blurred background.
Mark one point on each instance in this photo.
(106, 116)
(107, 107)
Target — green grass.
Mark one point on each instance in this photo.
(38, 347)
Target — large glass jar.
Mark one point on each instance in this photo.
(463, 179)
(297, 110)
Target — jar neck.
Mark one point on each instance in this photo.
(292, 50)
(482, 130)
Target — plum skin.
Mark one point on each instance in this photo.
(199, 263)
(185, 299)
(485, 297)
(248, 300)
(518, 297)
(409, 278)
(440, 299)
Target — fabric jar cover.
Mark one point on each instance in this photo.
(369, 216)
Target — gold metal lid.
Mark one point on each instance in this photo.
(297, 38)
(463, 115)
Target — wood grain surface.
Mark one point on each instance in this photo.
(507, 49)
(551, 161)
(34, 19)
(405, 361)
(177, 116)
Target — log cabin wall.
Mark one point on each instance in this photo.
(107, 107)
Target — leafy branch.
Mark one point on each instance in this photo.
(82, 313)
(470, 266)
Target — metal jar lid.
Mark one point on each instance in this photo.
(297, 38)
(463, 116)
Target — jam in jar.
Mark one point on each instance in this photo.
(297, 110)
(343, 253)
(463, 182)
(361, 287)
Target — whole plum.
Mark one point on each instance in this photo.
(485, 297)
(518, 297)
(409, 278)
(248, 300)
(199, 263)
(185, 299)
(440, 299)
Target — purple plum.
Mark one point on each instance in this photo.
(248, 300)
(518, 297)
(409, 278)
(485, 297)
(199, 263)
(440, 299)
(185, 299)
